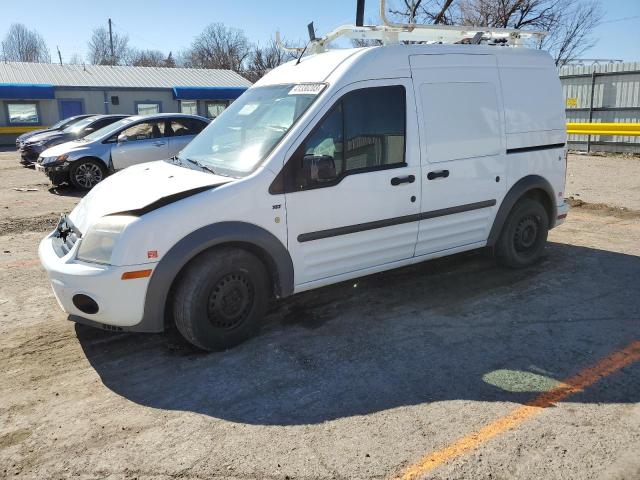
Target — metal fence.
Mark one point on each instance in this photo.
(605, 93)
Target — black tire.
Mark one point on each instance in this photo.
(87, 173)
(524, 234)
(221, 298)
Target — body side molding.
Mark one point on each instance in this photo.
(388, 222)
(535, 148)
(196, 242)
(522, 186)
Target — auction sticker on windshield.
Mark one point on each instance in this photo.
(307, 89)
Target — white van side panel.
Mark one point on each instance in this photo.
(460, 117)
(534, 119)
(533, 105)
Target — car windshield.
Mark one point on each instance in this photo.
(108, 130)
(76, 127)
(238, 140)
(60, 124)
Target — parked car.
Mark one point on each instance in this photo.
(346, 163)
(56, 127)
(144, 138)
(31, 149)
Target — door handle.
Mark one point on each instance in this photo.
(159, 144)
(438, 174)
(395, 181)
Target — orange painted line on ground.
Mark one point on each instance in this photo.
(585, 378)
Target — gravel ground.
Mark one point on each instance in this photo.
(609, 180)
(356, 380)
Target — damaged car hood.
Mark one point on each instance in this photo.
(139, 189)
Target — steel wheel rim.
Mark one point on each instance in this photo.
(527, 234)
(230, 301)
(88, 175)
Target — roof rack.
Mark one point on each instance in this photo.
(391, 33)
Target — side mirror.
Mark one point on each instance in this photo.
(319, 168)
(122, 138)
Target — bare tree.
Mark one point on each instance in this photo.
(75, 59)
(169, 61)
(145, 58)
(424, 11)
(23, 45)
(218, 47)
(99, 49)
(261, 60)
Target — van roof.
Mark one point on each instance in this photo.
(388, 61)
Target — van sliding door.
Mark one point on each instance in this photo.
(461, 120)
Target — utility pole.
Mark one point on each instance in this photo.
(113, 55)
(59, 54)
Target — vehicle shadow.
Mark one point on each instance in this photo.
(66, 191)
(458, 328)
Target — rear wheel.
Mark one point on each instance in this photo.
(86, 174)
(221, 298)
(524, 234)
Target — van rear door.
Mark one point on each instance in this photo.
(461, 122)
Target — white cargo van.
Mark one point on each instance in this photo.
(342, 164)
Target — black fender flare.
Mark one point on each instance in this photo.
(520, 188)
(254, 238)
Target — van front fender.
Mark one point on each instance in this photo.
(245, 235)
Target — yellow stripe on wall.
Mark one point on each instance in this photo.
(21, 129)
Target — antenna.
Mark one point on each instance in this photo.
(59, 55)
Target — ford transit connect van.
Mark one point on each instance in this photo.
(339, 165)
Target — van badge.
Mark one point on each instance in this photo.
(152, 254)
(276, 207)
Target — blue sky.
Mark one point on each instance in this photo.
(171, 25)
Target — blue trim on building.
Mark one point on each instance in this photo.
(25, 91)
(207, 93)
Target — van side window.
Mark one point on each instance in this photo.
(374, 127)
(363, 132)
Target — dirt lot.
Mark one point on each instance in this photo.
(436, 371)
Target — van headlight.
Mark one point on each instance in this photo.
(96, 246)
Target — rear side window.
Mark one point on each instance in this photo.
(184, 126)
(143, 131)
(461, 120)
(364, 131)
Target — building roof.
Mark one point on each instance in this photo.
(107, 76)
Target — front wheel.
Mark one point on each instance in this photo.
(524, 234)
(86, 174)
(221, 298)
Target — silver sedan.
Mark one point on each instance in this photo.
(130, 141)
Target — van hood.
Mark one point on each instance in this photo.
(139, 189)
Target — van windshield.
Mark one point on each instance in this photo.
(241, 137)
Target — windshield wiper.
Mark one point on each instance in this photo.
(202, 165)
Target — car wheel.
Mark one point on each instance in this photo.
(86, 174)
(221, 298)
(524, 234)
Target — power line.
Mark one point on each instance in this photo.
(623, 19)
